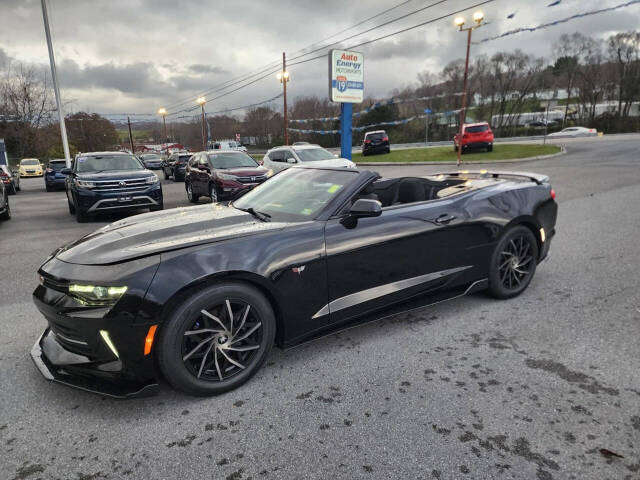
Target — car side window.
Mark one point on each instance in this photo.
(277, 156)
(193, 161)
(287, 155)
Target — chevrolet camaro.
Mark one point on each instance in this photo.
(199, 295)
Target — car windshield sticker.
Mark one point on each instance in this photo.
(333, 188)
(81, 159)
(306, 211)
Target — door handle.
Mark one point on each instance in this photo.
(444, 219)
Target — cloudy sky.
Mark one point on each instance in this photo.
(138, 55)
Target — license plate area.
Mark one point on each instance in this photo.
(124, 198)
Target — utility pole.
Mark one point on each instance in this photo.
(56, 88)
(130, 136)
(478, 18)
(283, 76)
(202, 101)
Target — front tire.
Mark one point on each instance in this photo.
(12, 189)
(6, 215)
(213, 193)
(193, 198)
(513, 263)
(217, 339)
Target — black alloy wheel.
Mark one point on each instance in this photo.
(513, 263)
(213, 193)
(217, 339)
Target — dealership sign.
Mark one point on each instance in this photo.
(346, 76)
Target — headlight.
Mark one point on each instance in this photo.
(151, 180)
(96, 295)
(269, 172)
(84, 183)
(226, 176)
(351, 165)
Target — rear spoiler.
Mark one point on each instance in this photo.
(534, 177)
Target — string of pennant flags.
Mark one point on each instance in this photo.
(556, 22)
(381, 103)
(401, 121)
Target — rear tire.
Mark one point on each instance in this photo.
(7, 213)
(48, 188)
(11, 189)
(513, 262)
(217, 359)
(193, 198)
(490, 148)
(72, 208)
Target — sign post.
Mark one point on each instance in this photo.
(346, 86)
(427, 111)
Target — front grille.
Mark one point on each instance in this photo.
(141, 201)
(256, 179)
(135, 185)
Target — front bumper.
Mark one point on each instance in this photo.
(62, 366)
(95, 201)
(30, 174)
(96, 348)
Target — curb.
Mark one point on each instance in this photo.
(516, 160)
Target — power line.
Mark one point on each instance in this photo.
(557, 22)
(433, 20)
(248, 75)
(373, 28)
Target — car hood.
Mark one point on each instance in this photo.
(115, 174)
(244, 171)
(331, 163)
(157, 232)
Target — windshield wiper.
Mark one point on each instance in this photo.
(262, 216)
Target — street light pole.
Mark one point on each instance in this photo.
(56, 88)
(478, 18)
(202, 101)
(283, 76)
(163, 111)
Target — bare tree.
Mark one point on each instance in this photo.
(26, 103)
(624, 52)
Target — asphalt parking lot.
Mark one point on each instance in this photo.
(529, 388)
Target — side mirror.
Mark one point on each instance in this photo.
(336, 155)
(65, 171)
(366, 207)
(291, 160)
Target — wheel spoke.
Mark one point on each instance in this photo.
(204, 359)
(197, 347)
(243, 348)
(244, 319)
(202, 330)
(231, 360)
(247, 334)
(215, 358)
(230, 316)
(214, 318)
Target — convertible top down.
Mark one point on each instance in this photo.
(200, 294)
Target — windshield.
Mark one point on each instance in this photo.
(313, 154)
(231, 160)
(30, 161)
(476, 129)
(107, 162)
(296, 194)
(57, 165)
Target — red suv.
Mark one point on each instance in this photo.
(475, 135)
(222, 175)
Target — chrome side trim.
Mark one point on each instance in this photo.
(71, 340)
(382, 290)
(96, 205)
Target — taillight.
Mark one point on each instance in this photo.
(385, 139)
(367, 141)
(553, 194)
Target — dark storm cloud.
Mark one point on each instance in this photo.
(124, 55)
(200, 68)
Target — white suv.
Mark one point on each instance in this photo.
(280, 158)
(228, 145)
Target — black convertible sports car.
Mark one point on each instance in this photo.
(200, 294)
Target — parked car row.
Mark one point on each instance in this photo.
(5, 209)
(10, 179)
